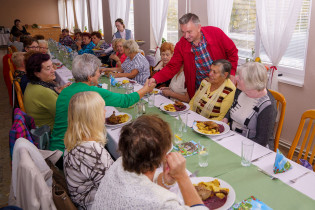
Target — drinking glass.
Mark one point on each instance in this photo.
(184, 118)
(139, 108)
(203, 153)
(247, 152)
(151, 99)
(178, 131)
(129, 88)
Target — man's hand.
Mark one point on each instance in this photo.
(152, 82)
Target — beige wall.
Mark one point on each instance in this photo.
(29, 12)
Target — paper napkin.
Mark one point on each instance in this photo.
(282, 164)
(113, 81)
(251, 203)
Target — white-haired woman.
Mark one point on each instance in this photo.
(85, 70)
(85, 159)
(253, 112)
(43, 46)
(135, 66)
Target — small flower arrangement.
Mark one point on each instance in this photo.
(257, 59)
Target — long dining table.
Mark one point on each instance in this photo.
(276, 190)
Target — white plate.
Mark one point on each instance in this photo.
(231, 196)
(226, 128)
(118, 125)
(173, 113)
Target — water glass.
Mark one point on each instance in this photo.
(203, 154)
(139, 107)
(247, 152)
(151, 99)
(184, 118)
(178, 131)
(129, 88)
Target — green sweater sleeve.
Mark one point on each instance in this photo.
(117, 99)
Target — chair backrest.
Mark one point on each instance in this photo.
(307, 140)
(10, 50)
(12, 69)
(14, 49)
(280, 100)
(19, 95)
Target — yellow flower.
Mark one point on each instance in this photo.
(257, 59)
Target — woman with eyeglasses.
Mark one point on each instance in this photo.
(30, 44)
(43, 46)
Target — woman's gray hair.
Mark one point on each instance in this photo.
(254, 75)
(131, 45)
(84, 66)
(189, 17)
(42, 41)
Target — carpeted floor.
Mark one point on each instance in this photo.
(5, 125)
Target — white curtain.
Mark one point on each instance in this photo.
(81, 14)
(158, 15)
(96, 15)
(70, 15)
(119, 9)
(62, 14)
(276, 27)
(219, 13)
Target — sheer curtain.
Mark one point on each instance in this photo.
(119, 9)
(219, 13)
(158, 15)
(62, 14)
(70, 15)
(276, 27)
(81, 14)
(96, 15)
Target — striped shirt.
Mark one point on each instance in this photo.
(140, 63)
(203, 60)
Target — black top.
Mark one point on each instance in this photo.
(15, 30)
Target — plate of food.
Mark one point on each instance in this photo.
(116, 119)
(211, 127)
(98, 50)
(104, 65)
(215, 193)
(156, 91)
(58, 65)
(175, 107)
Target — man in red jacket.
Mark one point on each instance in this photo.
(197, 49)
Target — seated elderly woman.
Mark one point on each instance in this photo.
(85, 159)
(215, 95)
(65, 38)
(119, 57)
(30, 44)
(101, 44)
(43, 46)
(20, 72)
(133, 179)
(85, 70)
(41, 93)
(87, 43)
(135, 66)
(253, 112)
(174, 88)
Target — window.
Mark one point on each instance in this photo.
(170, 32)
(131, 22)
(243, 31)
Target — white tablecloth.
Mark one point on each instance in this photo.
(4, 38)
(63, 74)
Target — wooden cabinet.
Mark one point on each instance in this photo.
(47, 32)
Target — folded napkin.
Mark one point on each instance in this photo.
(251, 203)
(187, 148)
(282, 164)
(113, 81)
(306, 164)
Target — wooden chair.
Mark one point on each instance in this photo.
(280, 100)
(19, 95)
(307, 140)
(10, 50)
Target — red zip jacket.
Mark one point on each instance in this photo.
(219, 46)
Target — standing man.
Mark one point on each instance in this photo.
(197, 49)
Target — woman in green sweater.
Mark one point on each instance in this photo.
(85, 70)
(41, 94)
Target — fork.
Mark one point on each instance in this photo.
(219, 139)
(266, 173)
(295, 179)
(194, 174)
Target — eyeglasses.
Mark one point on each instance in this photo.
(46, 48)
(33, 47)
